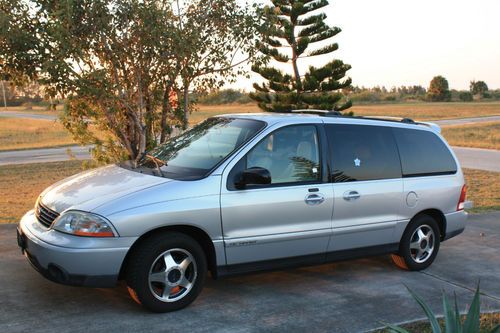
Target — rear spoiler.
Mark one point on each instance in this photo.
(435, 127)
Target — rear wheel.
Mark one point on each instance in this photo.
(166, 272)
(419, 245)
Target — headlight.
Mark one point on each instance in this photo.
(83, 224)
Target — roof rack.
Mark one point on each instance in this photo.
(387, 118)
(327, 113)
(324, 113)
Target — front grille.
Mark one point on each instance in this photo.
(45, 215)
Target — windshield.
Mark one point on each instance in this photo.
(197, 151)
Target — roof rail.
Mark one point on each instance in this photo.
(326, 113)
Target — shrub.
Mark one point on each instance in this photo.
(465, 96)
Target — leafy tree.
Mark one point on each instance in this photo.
(213, 39)
(479, 88)
(439, 89)
(291, 33)
(124, 66)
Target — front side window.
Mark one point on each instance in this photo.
(423, 153)
(362, 152)
(197, 151)
(291, 154)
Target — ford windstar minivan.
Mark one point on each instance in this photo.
(247, 192)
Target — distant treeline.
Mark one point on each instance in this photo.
(31, 95)
(360, 95)
(381, 94)
(224, 96)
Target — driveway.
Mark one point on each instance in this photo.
(352, 296)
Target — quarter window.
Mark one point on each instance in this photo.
(291, 154)
(423, 153)
(362, 152)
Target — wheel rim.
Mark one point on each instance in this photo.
(172, 275)
(422, 243)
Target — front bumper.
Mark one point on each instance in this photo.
(72, 260)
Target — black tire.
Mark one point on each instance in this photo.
(145, 260)
(408, 258)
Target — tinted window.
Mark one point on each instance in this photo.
(290, 154)
(423, 153)
(362, 152)
(195, 152)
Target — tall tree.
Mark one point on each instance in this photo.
(119, 63)
(214, 39)
(439, 90)
(478, 88)
(294, 31)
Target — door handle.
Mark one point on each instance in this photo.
(351, 195)
(314, 199)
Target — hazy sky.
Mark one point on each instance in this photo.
(402, 42)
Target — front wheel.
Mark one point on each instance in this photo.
(419, 245)
(166, 272)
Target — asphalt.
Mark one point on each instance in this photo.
(466, 121)
(445, 122)
(351, 296)
(28, 115)
(477, 158)
(474, 158)
(44, 155)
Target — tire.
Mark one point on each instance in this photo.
(415, 251)
(166, 272)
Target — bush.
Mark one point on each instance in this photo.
(465, 96)
(365, 96)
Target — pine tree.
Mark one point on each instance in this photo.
(292, 33)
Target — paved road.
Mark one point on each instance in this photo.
(352, 296)
(43, 155)
(465, 121)
(15, 114)
(482, 159)
(475, 158)
(446, 122)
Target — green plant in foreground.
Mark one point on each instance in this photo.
(452, 320)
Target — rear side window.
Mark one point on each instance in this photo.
(423, 153)
(362, 152)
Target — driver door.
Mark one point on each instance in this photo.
(291, 217)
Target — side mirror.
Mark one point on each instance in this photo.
(254, 176)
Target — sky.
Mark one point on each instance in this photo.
(403, 42)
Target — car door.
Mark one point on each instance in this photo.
(367, 184)
(290, 217)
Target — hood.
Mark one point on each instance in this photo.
(90, 189)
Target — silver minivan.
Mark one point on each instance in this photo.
(247, 192)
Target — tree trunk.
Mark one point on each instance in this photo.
(185, 100)
(165, 110)
(4, 98)
(296, 73)
(149, 118)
